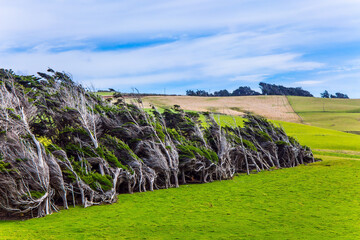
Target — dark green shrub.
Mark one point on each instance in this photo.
(190, 152)
(94, 180)
(281, 143)
(249, 145)
(264, 136)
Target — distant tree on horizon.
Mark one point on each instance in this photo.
(200, 93)
(340, 95)
(325, 94)
(267, 89)
(241, 91)
(272, 89)
(222, 93)
(244, 91)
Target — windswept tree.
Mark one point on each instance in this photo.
(61, 145)
(244, 91)
(340, 95)
(272, 89)
(222, 93)
(199, 93)
(325, 94)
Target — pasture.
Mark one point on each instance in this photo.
(314, 137)
(337, 114)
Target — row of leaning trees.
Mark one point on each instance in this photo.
(61, 145)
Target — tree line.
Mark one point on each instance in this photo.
(241, 91)
(267, 89)
(62, 145)
(326, 94)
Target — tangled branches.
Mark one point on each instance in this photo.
(61, 145)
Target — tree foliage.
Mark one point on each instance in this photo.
(326, 94)
(339, 95)
(244, 91)
(272, 89)
(199, 93)
(222, 93)
(267, 89)
(241, 91)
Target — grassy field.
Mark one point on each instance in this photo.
(337, 114)
(317, 201)
(314, 137)
(105, 93)
(320, 138)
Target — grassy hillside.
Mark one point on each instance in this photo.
(318, 201)
(324, 142)
(337, 114)
(320, 138)
(105, 93)
(314, 137)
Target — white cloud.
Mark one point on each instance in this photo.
(38, 21)
(309, 82)
(249, 78)
(184, 59)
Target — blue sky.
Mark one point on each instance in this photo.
(172, 46)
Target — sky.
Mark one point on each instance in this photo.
(164, 46)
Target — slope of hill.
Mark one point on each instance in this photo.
(314, 137)
(272, 107)
(337, 114)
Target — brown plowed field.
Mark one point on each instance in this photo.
(272, 107)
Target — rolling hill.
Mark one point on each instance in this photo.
(337, 114)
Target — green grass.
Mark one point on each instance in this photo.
(333, 120)
(337, 114)
(317, 201)
(310, 104)
(314, 137)
(105, 93)
(341, 154)
(321, 138)
(229, 120)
